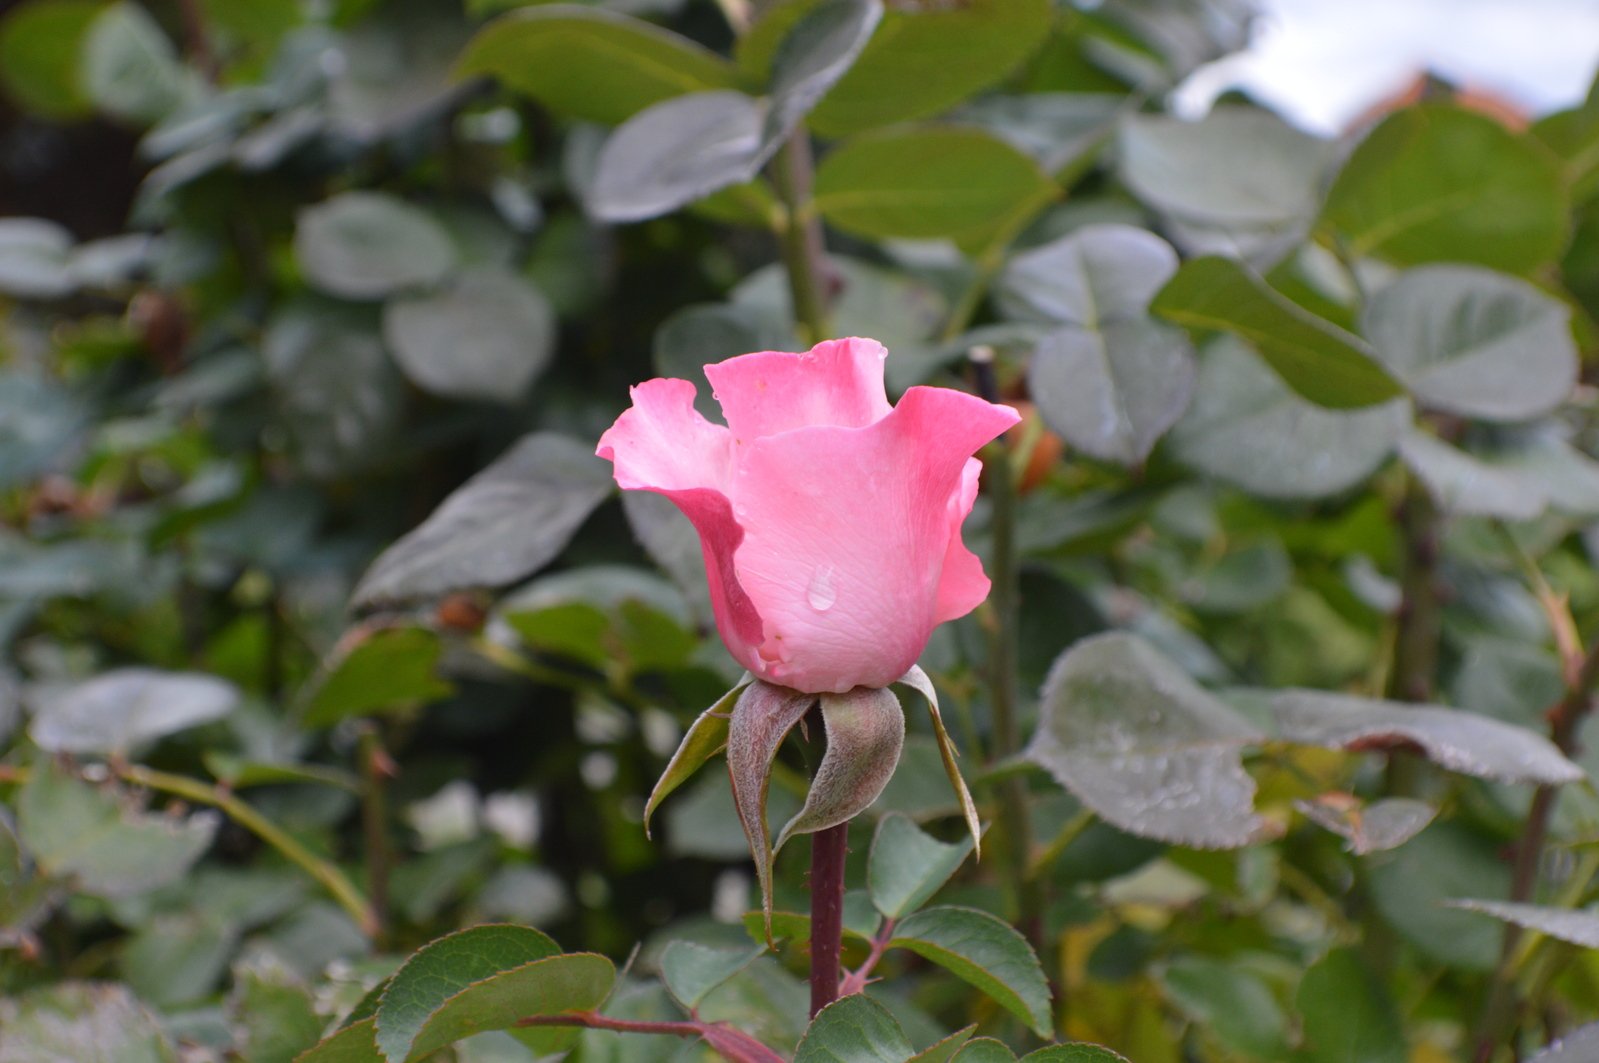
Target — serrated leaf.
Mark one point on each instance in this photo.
(365, 245)
(1245, 426)
(907, 866)
(98, 839)
(856, 1029)
(1145, 747)
(483, 979)
(943, 1050)
(509, 520)
(691, 970)
(985, 1050)
(925, 183)
(762, 717)
(1578, 926)
(355, 1043)
(1439, 183)
(985, 951)
(85, 1022)
(865, 734)
(485, 336)
(918, 681)
(1074, 1053)
(126, 708)
(706, 737)
(1473, 342)
(1381, 825)
(1461, 741)
(1315, 358)
(388, 670)
(590, 63)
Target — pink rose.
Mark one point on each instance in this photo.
(830, 520)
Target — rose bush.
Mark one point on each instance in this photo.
(830, 520)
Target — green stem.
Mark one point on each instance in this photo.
(804, 252)
(330, 877)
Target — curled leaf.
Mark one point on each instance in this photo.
(918, 681)
(762, 718)
(865, 733)
(706, 737)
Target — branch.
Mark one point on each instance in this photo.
(732, 1044)
(856, 981)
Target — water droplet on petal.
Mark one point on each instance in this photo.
(822, 592)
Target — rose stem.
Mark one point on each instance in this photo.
(804, 253)
(827, 912)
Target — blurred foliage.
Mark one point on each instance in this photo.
(326, 636)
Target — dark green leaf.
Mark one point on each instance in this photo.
(944, 1050)
(509, 520)
(1412, 885)
(1073, 1053)
(1475, 343)
(388, 670)
(1061, 130)
(918, 681)
(40, 42)
(865, 734)
(1314, 357)
(985, 951)
(590, 63)
(691, 970)
(1230, 1003)
(1436, 183)
(1145, 747)
(907, 866)
(930, 182)
(365, 245)
(486, 336)
(1348, 1015)
(985, 1050)
(1245, 426)
(126, 709)
(856, 1029)
(706, 737)
(813, 56)
(355, 1043)
(274, 1015)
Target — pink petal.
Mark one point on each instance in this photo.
(963, 586)
(848, 534)
(838, 382)
(662, 444)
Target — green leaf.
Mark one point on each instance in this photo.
(506, 522)
(355, 1043)
(907, 866)
(930, 182)
(918, 681)
(986, 952)
(1230, 1003)
(590, 63)
(485, 337)
(365, 245)
(1461, 483)
(813, 56)
(1314, 357)
(1093, 276)
(706, 737)
(615, 619)
(1412, 885)
(1074, 1053)
(1461, 741)
(865, 734)
(945, 1048)
(1145, 747)
(1064, 131)
(485, 978)
(856, 1029)
(1347, 1014)
(384, 671)
(274, 1014)
(985, 1050)
(795, 926)
(85, 1022)
(1579, 927)
(98, 839)
(762, 717)
(126, 709)
(675, 152)
(1435, 183)
(1541, 458)
(691, 970)
(921, 60)
(40, 42)
(1385, 824)
(1245, 426)
(35, 259)
(1578, 1046)
(130, 68)
(1473, 342)
(177, 958)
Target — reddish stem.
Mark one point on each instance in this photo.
(828, 848)
(856, 980)
(731, 1044)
